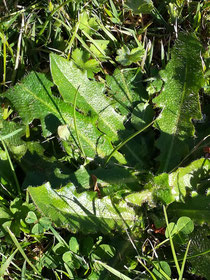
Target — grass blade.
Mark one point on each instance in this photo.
(75, 124)
(172, 244)
(147, 269)
(5, 265)
(17, 244)
(184, 260)
(12, 168)
(126, 140)
(114, 271)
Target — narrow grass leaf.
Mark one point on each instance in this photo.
(5, 265)
(114, 271)
(17, 244)
(184, 261)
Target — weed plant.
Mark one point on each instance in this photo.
(104, 131)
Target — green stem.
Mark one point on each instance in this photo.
(119, 146)
(184, 260)
(14, 239)
(147, 269)
(171, 243)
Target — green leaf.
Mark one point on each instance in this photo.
(199, 245)
(140, 6)
(33, 99)
(197, 208)
(74, 245)
(167, 188)
(37, 229)
(185, 225)
(5, 170)
(104, 252)
(89, 25)
(126, 88)
(45, 223)
(158, 189)
(138, 198)
(81, 212)
(113, 271)
(127, 57)
(161, 266)
(171, 229)
(179, 100)
(99, 48)
(90, 98)
(87, 245)
(142, 115)
(67, 257)
(189, 178)
(82, 60)
(31, 218)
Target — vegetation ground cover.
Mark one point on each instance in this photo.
(104, 129)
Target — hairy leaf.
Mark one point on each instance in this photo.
(197, 208)
(110, 180)
(193, 177)
(200, 246)
(33, 99)
(167, 188)
(90, 99)
(179, 100)
(126, 88)
(127, 57)
(140, 6)
(81, 212)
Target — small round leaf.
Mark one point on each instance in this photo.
(67, 257)
(73, 244)
(31, 218)
(185, 225)
(37, 229)
(172, 229)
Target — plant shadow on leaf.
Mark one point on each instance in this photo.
(39, 169)
(174, 156)
(200, 179)
(179, 100)
(194, 186)
(52, 123)
(200, 243)
(81, 212)
(49, 95)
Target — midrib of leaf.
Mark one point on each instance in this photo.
(94, 110)
(53, 109)
(40, 100)
(177, 122)
(126, 87)
(179, 100)
(90, 104)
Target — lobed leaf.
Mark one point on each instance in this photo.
(81, 212)
(179, 100)
(33, 99)
(167, 188)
